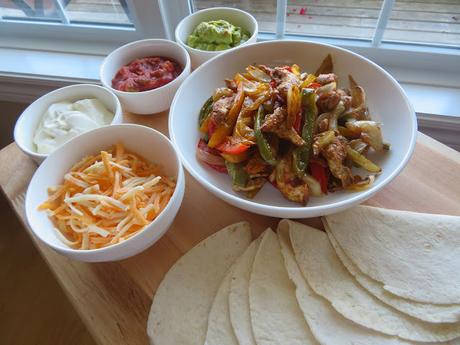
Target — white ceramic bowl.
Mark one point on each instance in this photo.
(385, 98)
(147, 142)
(151, 101)
(24, 129)
(232, 15)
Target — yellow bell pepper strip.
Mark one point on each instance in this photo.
(222, 92)
(251, 87)
(311, 78)
(301, 155)
(295, 69)
(265, 150)
(349, 133)
(362, 161)
(251, 104)
(205, 111)
(293, 105)
(226, 128)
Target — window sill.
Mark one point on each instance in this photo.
(27, 74)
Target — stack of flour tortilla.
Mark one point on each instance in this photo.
(374, 277)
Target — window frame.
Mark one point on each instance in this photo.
(408, 62)
(84, 38)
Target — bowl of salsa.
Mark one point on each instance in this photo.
(146, 74)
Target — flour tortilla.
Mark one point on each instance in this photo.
(435, 313)
(327, 326)
(180, 308)
(329, 278)
(275, 314)
(416, 256)
(220, 331)
(238, 299)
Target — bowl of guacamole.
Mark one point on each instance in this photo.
(217, 35)
(210, 32)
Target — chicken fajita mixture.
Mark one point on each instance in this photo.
(296, 130)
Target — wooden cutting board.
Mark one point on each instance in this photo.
(113, 299)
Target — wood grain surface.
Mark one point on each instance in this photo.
(113, 299)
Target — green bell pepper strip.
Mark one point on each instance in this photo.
(301, 155)
(265, 150)
(205, 110)
(239, 176)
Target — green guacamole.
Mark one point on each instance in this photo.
(217, 35)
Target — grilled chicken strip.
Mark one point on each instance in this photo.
(324, 79)
(276, 123)
(292, 187)
(220, 109)
(335, 154)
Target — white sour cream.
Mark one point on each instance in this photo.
(65, 120)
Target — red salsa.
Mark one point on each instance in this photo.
(146, 74)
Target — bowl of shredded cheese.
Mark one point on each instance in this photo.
(107, 194)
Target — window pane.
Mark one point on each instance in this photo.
(424, 21)
(29, 10)
(97, 11)
(263, 10)
(107, 12)
(336, 18)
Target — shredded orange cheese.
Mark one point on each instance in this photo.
(108, 198)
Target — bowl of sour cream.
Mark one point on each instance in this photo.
(63, 114)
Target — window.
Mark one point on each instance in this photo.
(404, 36)
(435, 23)
(417, 40)
(425, 22)
(77, 25)
(113, 12)
(341, 19)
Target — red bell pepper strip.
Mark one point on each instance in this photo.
(319, 173)
(313, 85)
(298, 122)
(232, 146)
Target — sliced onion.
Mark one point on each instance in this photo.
(313, 185)
(258, 74)
(362, 185)
(208, 157)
